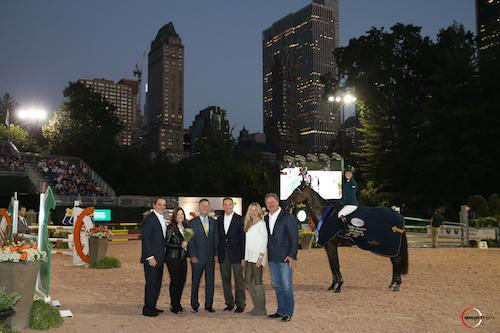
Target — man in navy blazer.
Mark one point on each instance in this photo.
(202, 249)
(232, 255)
(283, 233)
(153, 255)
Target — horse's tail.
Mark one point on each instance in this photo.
(403, 255)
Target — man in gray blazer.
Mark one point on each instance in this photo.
(202, 249)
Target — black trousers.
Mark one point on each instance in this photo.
(197, 271)
(154, 276)
(177, 268)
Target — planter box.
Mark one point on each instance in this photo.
(20, 278)
(98, 247)
(306, 242)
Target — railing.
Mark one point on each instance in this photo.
(122, 201)
(13, 173)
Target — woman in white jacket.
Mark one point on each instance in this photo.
(255, 257)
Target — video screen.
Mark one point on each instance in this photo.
(327, 183)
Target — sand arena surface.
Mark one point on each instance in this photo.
(440, 285)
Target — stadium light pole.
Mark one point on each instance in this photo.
(344, 99)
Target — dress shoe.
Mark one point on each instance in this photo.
(194, 310)
(149, 314)
(274, 316)
(158, 310)
(210, 309)
(239, 310)
(286, 318)
(229, 308)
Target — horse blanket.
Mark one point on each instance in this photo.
(377, 229)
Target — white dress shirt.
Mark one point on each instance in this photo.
(163, 226)
(256, 242)
(162, 222)
(227, 221)
(272, 219)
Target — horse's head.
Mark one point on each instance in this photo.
(298, 196)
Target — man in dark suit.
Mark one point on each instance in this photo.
(283, 232)
(202, 249)
(22, 224)
(232, 255)
(153, 255)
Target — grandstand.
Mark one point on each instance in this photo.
(71, 178)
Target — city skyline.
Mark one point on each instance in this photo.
(48, 44)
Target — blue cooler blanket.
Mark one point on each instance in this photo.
(377, 229)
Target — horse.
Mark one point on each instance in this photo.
(304, 194)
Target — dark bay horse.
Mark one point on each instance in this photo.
(317, 205)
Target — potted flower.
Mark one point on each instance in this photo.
(98, 242)
(7, 301)
(19, 267)
(306, 238)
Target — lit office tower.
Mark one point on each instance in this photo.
(488, 28)
(300, 47)
(123, 96)
(165, 97)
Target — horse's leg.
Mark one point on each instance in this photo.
(396, 274)
(331, 260)
(400, 264)
(336, 266)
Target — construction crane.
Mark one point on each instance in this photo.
(138, 74)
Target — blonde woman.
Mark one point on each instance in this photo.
(255, 257)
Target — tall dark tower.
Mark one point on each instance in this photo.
(164, 116)
(304, 40)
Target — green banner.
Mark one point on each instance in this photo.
(10, 210)
(47, 203)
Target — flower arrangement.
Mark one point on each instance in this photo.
(188, 234)
(304, 234)
(20, 251)
(100, 232)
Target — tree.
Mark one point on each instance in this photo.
(424, 121)
(21, 138)
(85, 125)
(7, 102)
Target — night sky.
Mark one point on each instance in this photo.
(45, 44)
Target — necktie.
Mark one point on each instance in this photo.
(205, 226)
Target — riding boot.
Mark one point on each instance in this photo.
(259, 301)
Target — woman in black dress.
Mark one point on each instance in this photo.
(176, 258)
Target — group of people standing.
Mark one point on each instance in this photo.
(242, 246)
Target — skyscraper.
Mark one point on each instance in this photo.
(164, 115)
(488, 28)
(300, 46)
(124, 97)
(210, 123)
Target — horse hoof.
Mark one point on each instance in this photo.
(392, 285)
(331, 287)
(396, 287)
(337, 290)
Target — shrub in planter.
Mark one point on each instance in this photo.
(106, 263)
(44, 316)
(7, 301)
(6, 329)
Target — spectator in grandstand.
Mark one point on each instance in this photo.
(175, 258)
(436, 222)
